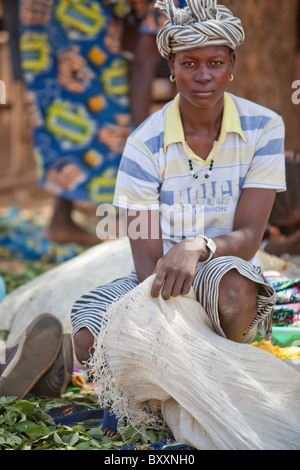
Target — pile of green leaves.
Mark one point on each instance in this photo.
(29, 271)
(26, 425)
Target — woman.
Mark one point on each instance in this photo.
(208, 165)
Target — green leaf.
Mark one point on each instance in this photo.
(152, 436)
(96, 433)
(74, 439)
(16, 439)
(57, 439)
(88, 445)
(25, 406)
(4, 401)
(24, 424)
(36, 431)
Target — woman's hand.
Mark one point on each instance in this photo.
(175, 272)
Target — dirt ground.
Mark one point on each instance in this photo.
(36, 205)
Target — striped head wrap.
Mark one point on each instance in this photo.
(201, 23)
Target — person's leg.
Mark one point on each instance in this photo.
(83, 345)
(63, 229)
(235, 297)
(237, 304)
(89, 313)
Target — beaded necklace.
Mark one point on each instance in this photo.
(211, 166)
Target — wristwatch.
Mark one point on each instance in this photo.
(210, 245)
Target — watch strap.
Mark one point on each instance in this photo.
(211, 246)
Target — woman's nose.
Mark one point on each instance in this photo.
(202, 74)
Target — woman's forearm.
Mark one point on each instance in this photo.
(146, 249)
(242, 243)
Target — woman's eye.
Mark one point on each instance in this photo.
(217, 62)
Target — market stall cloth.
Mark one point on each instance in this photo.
(287, 309)
(24, 239)
(285, 315)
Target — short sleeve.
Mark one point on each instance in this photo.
(267, 168)
(138, 181)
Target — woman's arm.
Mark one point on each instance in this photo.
(145, 240)
(176, 271)
(250, 222)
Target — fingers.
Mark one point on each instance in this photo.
(171, 285)
(175, 271)
(157, 285)
(157, 266)
(168, 287)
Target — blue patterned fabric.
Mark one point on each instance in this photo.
(76, 72)
(76, 75)
(286, 312)
(25, 240)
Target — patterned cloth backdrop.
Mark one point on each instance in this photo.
(77, 90)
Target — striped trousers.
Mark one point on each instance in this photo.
(89, 311)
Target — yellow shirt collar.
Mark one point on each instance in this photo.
(174, 130)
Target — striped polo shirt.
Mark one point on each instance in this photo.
(154, 173)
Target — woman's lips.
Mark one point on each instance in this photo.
(203, 93)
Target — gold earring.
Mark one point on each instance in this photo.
(172, 79)
(231, 77)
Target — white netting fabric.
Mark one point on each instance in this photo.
(158, 359)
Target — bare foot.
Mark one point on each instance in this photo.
(62, 228)
(71, 233)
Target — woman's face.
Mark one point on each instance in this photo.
(202, 74)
